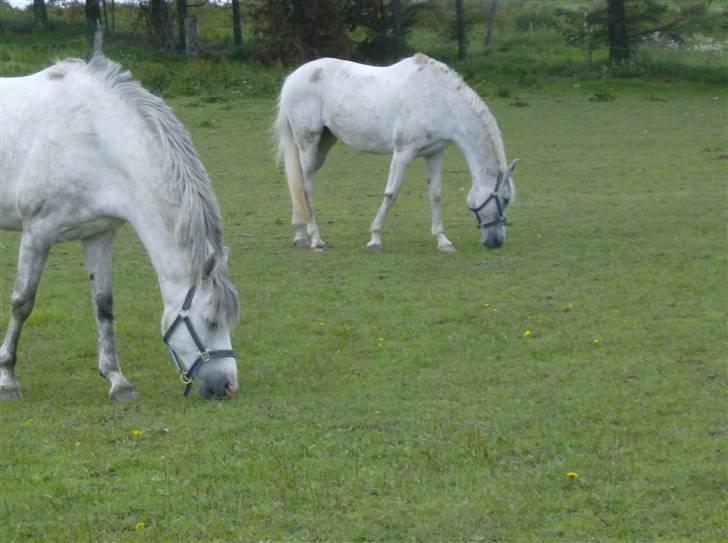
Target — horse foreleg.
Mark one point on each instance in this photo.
(31, 260)
(400, 161)
(433, 186)
(98, 265)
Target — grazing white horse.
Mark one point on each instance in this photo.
(84, 149)
(413, 108)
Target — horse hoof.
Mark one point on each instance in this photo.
(319, 248)
(10, 392)
(375, 248)
(449, 248)
(123, 392)
(300, 243)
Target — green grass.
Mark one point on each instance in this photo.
(395, 397)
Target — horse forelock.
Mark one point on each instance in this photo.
(185, 182)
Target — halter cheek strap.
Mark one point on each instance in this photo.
(205, 355)
(500, 203)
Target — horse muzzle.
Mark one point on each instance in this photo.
(223, 390)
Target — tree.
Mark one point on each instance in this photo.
(237, 26)
(489, 26)
(624, 24)
(93, 12)
(40, 14)
(181, 16)
(617, 35)
(460, 18)
(397, 18)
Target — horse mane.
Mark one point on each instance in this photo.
(455, 81)
(186, 182)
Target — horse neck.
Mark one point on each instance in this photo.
(171, 261)
(483, 149)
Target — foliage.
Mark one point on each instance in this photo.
(292, 31)
(398, 397)
(644, 19)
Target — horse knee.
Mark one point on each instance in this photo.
(21, 306)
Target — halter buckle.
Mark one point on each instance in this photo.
(185, 380)
(205, 355)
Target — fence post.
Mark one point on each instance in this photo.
(191, 37)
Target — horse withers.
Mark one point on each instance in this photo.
(414, 108)
(83, 150)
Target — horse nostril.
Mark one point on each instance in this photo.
(230, 390)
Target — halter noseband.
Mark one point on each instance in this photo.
(205, 355)
(500, 203)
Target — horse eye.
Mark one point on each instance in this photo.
(212, 324)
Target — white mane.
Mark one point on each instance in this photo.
(186, 182)
(456, 82)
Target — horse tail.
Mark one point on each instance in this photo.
(287, 152)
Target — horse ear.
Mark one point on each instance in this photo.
(225, 253)
(512, 167)
(208, 267)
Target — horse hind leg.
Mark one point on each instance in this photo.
(433, 187)
(31, 260)
(312, 156)
(97, 252)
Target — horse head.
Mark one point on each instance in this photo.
(198, 334)
(491, 213)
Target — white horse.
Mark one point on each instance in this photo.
(413, 108)
(84, 149)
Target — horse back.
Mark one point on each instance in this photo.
(56, 142)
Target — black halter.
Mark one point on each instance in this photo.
(500, 203)
(205, 355)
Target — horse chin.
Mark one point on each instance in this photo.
(494, 240)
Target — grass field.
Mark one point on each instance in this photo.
(411, 395)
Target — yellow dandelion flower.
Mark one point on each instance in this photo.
(29, 421)
(486, 305)
(572, 474)
(526, 332)
(137, 433)
(381, 339)
(139, 526)
(596, 341)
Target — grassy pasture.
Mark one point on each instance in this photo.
(411, 395)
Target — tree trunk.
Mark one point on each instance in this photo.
(461, 29)
(181, 16)
(158, 23)
(93, 12)
(489, 26)
(617, 32)
(40, 14)
(397, 16)
(237, 25)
